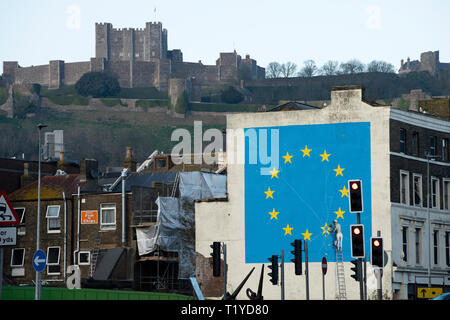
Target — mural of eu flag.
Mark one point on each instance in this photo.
(306, 189)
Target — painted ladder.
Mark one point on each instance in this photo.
(340, 275)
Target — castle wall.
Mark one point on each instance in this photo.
(34, 74)
(164, 70)
(102, 31)
(74, 70)
(144, 73)
(228, 66)
(123, 71)
(203, 73)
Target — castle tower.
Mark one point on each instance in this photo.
(102, 35)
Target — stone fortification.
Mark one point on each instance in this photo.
(429, 61)
(140, 58)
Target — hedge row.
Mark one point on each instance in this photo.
(224, 107)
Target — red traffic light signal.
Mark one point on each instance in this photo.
(355, 197)
(376, 252)
(357, 240)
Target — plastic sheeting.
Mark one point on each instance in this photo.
(167, 233)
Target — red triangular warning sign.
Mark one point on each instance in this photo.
(8, 216)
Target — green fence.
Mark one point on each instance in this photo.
(55, 293)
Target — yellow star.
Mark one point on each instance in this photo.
(344, 192)
(306, 151)
(269, 193)
(326, 229)
(288, 230)
(325, 156)
(339, 213)
(339, 171)
(273, 214)
(274, 173)
(287, 158)
(307, 235)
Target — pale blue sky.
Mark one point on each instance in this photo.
(34, 32)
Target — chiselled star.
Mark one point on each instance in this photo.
(288, 230)
(339, 213)
(306, 151)
(269, 193)
(307, 235)
(325, 156)
(339, 170)
(287, 158)
(344, 192)
(326, 229)
(274, 173)
(273, 214)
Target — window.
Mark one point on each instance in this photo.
(446, 194)
(404, 187)
(405, 243)
(417, 189)
(53, 260)
(436, 246)
(53, 219)
(418, 245)
(107, 216)
(21, 214)
(433, 140)
(447, 248)
(402, 140)
(444, 150)
(435, 201)
(84, 257)
(17, 257)
(415, 144)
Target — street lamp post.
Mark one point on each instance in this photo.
(37, 295)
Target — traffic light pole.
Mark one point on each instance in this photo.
(224, 269)
(306, 270)
(363, 276)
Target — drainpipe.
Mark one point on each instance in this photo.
(78, 229)
(65, 235)
(124, 239)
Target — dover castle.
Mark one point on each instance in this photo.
(140, 58)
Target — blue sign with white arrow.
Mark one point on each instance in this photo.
(39, 260)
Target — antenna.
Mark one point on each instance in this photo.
(154, 11)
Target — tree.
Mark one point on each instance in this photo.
(273, 70)
(98, 84)
(352, 66)
(330, 68)
(309, 69)
(288, 69)
(380, 66)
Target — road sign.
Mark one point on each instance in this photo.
(8, 217)
(8, 236)
(324, 266)
(428, 293)
(39, 260)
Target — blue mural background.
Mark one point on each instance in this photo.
(308, 189)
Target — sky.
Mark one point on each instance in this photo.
(33, 32)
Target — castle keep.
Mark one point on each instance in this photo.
(429, 61)
(140, 58)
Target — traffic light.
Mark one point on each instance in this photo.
(376, 252)
(216, 258)
(356, 200)
(357, 237)
(356, 269)
(274, 267)
(297, 256)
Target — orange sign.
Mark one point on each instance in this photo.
(89, 217)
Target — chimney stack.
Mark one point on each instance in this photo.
(129, 161)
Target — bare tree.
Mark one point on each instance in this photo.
(330, 68)
(309, 69)
(380, 66)
(273, 70)
(352, 66)
(288, 69)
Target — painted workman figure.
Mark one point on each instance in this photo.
(338, 240)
